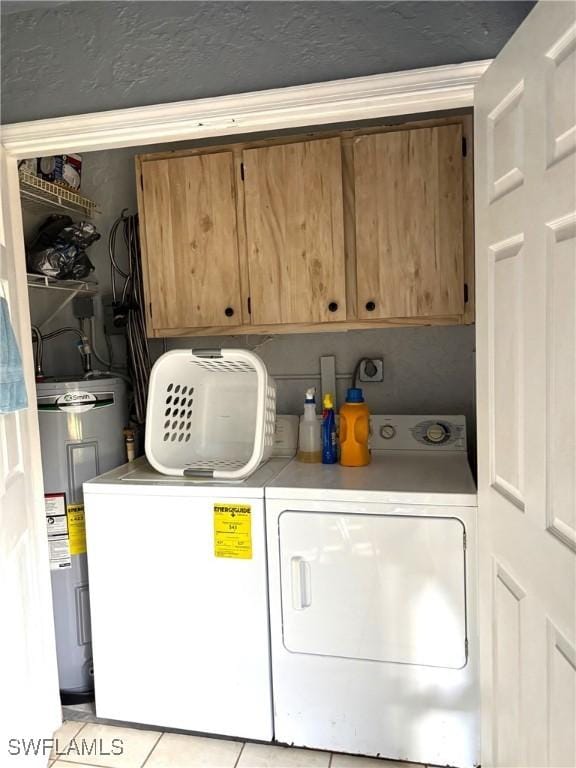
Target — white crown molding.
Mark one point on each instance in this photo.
(360, 98)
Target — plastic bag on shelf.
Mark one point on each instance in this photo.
(59, 249)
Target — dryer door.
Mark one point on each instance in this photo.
(377, 587)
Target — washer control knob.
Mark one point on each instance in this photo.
(387, 431)
(437, 433)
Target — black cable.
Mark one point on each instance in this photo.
(132, 301)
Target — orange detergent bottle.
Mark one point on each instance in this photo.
(354, 430)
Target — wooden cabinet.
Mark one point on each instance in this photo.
(409, 223)
(295, 232)
(190, 245)
(351, 230)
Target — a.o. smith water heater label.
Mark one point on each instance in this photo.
(75, 401)
(233, 531)
(57, 526)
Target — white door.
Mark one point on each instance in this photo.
(525, 128)
(29, 701)
(373, 586)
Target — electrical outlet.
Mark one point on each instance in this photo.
(108, 308)
(83, 307)
(372, 370)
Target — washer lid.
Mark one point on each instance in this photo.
(139, 477)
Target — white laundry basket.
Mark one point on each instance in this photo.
(211, 413)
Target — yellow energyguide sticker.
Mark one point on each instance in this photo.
(233, 531)
(76, 528)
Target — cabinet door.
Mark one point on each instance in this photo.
(188, 217)
(409, 223)
(295, 232)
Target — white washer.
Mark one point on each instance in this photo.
(180, 633)
(372, 576)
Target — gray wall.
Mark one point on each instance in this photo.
(69, 58)
(426, 370)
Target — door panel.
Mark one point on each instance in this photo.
(83, 461)
(384, 588)
(509, 618)
(188, 214)
(561, 699)
(560, 398)
(525, 127)
(505, 263)
(409, 223)
(295, 232)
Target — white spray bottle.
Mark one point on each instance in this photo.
(310, 433)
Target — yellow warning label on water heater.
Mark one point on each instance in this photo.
(76, 528)
(233, 531)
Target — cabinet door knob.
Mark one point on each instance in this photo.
(370, 306)
(333, 306)
(228, 311)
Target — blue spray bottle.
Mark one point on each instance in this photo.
(329, 443)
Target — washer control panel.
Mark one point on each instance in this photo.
(413, 433)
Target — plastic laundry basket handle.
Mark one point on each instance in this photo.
(191, 472)
(207, 352)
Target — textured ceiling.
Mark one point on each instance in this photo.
(70, 58)
(21, 6)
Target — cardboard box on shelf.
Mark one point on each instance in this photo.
(61, 169)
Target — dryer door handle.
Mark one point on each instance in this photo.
(301, 587)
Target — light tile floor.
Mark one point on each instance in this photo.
(154, 749)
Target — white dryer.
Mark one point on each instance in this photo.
(372, 578)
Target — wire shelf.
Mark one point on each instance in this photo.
(38, 193)
(65, 292)
(79, 286)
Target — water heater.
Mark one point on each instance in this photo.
(81, 433)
